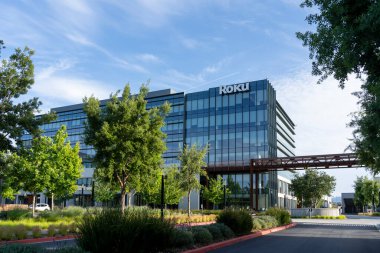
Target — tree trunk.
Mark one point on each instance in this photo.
(122, 200)
(188, 204)
(33, 205)
(52, 201)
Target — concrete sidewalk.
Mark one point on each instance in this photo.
(357, 220)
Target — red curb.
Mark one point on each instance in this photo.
(226, 243)
(39, 240)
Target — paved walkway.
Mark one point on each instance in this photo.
(314, 238)
(357, 220)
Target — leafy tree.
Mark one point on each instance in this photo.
(312, 186)
(34, 167)
(16, 78)
(215, 191)
(127, 138)
(173, 191)
(151, 191)
(104, 191)
(10, 176)
(346, 41)
(366, 190)
(66, 166)
(192, 163)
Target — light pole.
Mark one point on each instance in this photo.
(93, 192)
(224, 194)
(82, 195)
(162, 195)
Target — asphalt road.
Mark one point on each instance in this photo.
(314, 238)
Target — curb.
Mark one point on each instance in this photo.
(39, 240)
(226, 243)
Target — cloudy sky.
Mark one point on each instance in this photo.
(96, 47)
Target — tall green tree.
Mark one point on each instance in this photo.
(16, 78)
(214, 193)
(366, 191)
(173, 191)
(66, 166)
(346, 41)
(310, 187)
(127, 138)
(192, 167)
(104, 191)
(35, 168)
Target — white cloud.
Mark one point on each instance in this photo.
(321, 113)
(148, 58)
(190, 43)
(54, 87)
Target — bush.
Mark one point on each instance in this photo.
(282, 216)
(264, 222)
(63, 229)
(50, 215)
(226, 231)
(182, 239)
(6, 233)
(51, 230)
(240, 221)
(201, 235)
(18, 214)
(20, 232)
(73, 211)
(36, 232)
(134, 231)
(216, 233)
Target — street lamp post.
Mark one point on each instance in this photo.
(93, 192)
(82, 195)
(224, 194)
(162, 196)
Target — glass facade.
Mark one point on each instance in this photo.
(239, 122)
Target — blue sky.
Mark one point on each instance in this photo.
(95, 47)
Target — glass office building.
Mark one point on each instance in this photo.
(239, 122)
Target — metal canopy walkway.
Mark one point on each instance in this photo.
(332, 161)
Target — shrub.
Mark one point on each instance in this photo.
(6, 233)
(73, 211)
(51, 230)
(20, 232)
(226, 231)
(240, 221)
(63, 229)
(134, 231)
(215, 231)
(18, 214)
(36, 232)
(257, 225)
(341, 217)
(264, 222)
(201, 235)
(50, 215)
(282, 216)
(182, 239)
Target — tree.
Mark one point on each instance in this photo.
(10, 176)
(34, 167)
(66, 166)
(312, 186)
(127, 138)
(173, 191)
(366, 192)
(192, 163)
(346, 41)
(16, 78)
(104, 191)
(214, 193)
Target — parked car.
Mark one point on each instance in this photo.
(41, 207)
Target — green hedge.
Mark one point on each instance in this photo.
(264, 222)
(282, 215)
(134, 231)
(240, 221)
